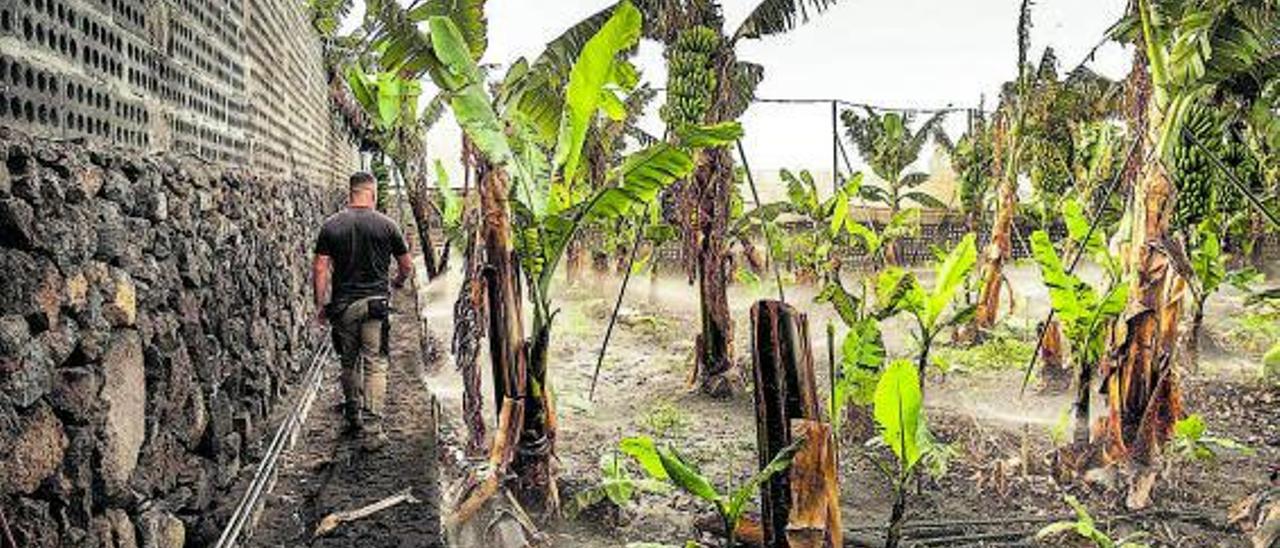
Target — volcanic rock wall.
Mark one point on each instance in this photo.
(152, 313)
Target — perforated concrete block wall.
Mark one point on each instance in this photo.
(236, 82)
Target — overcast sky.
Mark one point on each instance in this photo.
(901, 53)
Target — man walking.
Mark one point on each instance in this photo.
(352, 256)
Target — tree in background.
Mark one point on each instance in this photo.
(1007, 139)
(708, 85)
(887, 143)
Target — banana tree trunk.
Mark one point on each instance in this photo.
(535, 481)
(1193, 336)
(1054, 372)
(421, 219)
(1143, 393)
(574, 262)
(714, 177)
(997, 252)
(468, 328)
(518, 370)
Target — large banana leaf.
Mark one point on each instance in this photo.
(641, 177)
(898, 410)
(1078, 226)
(950, 275)
(597, 65)
(467, 15)
(687, 477)
(715, 135)
(897, 290)
(404, 48)
(459, 75)
(1070, 297)
(642, 449)
(778, 16)
(844, 303)
(744, 493)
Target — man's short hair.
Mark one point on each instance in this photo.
(360, 179)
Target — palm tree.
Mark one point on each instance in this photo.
(890, 147)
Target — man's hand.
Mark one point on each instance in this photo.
(319, 319)
(404, 270)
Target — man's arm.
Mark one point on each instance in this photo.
(404, 264)
(321, 270)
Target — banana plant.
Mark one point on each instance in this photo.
(898, 290)
(890, 147)
(1086, 528)
(862, 350)
(900, 417)
(666, 464)
(548, 209)
(1193, 55)
(1085, 313)
(617, 485)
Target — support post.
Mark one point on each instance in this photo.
(801, 507)
(835, 148)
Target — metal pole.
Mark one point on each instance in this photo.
(617, 305)
(835, 150)
(768, 245)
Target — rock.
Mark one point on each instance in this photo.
(155, 205)
(16, 223)
(161, 530)
(114, 530)
(6, 185)
(124, 395)
(120, 305)
(33, 454)
(75, 393)
(31, 378)
(77, 290)
(118, 188)
(14, 334)
(113, 239)
(69, 235)
(34, 524)
(27, 187)
(33, 288)
(85, 183)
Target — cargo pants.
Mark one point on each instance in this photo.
(361, 340)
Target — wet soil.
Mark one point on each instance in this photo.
(327, 472)
(1002, 439)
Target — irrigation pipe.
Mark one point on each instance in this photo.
(1075, 259)
(284, 435)
(617, 305)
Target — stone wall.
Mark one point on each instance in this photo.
(152, 314)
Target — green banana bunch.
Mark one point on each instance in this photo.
(1193, 171)
(690, 80)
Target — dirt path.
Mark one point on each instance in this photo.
(327, 473)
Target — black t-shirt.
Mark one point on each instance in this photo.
(361, 242)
